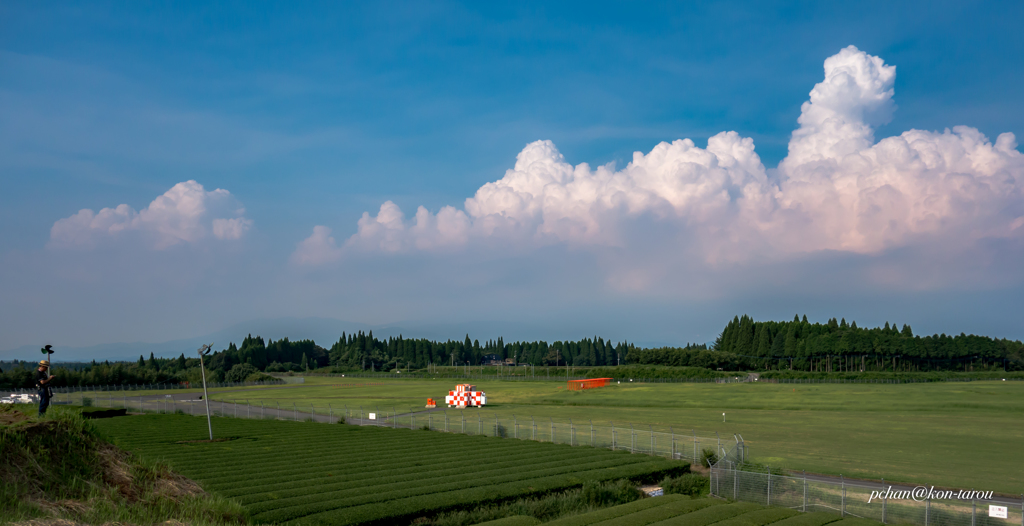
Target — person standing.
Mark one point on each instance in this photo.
(43, 379)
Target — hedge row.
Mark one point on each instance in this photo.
(401, 509)
(760, 517)
(711, 514)
(515, 520)
(817, 518)
(561, 478)
(594, 517)
(661, 513)
(351, 496)
(317, 474)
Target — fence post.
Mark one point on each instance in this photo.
(769, 485)
(842, 506)
(805, 492)
(927, 509)
(613, 436)
(673, 452)
(974, 511)
(885, 501)
(295, 412)
(694, 431)
(533, 430)
(632, 439)
(263, 411)
(651, 429)
(591, 433)
(735, 483)
(572, 432)
(552, 430)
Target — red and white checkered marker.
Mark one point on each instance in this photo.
(464, 395)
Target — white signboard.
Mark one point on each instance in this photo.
(998, 512)
(373, 416)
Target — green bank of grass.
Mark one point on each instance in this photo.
(58, 467)
(944, 434)
(284, 472)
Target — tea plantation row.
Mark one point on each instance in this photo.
(676, 510)
(305, 473)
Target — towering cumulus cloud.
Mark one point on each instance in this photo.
(836, 190)
(186, 213)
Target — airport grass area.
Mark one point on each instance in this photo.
(307, 473)
(941, 434)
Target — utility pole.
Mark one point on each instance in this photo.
(203, 351)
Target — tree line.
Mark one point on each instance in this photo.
(836, 346)
(743, 345)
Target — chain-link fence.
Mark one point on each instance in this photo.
(880, 502)
(117, 388)
(632, 437)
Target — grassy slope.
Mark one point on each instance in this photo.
(58, 467)
(939, 434)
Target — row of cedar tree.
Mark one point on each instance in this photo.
(744, 344)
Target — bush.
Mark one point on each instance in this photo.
(708, 457)
(609, 493)
(240, 372)
(259, 377)
(690, 484)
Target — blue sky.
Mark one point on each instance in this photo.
(310, 116)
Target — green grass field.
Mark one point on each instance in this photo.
(960, 435)
(306, 473)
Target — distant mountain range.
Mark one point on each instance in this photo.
(325, 331)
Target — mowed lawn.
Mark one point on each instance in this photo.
(956, 434)
(320, 474)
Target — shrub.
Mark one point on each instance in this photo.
(690, 484)
(609, 493)
(239, 372)
(258, 377)
(708, 457)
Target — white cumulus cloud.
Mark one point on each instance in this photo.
(186, 213)
(837, 190)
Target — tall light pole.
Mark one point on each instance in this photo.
(203, 351)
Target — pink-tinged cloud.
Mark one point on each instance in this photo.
(837, 190)
(186, 213)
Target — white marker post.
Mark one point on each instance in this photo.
(723, 418)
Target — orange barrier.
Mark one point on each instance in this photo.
(590, 383)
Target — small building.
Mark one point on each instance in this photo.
(491, 359)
